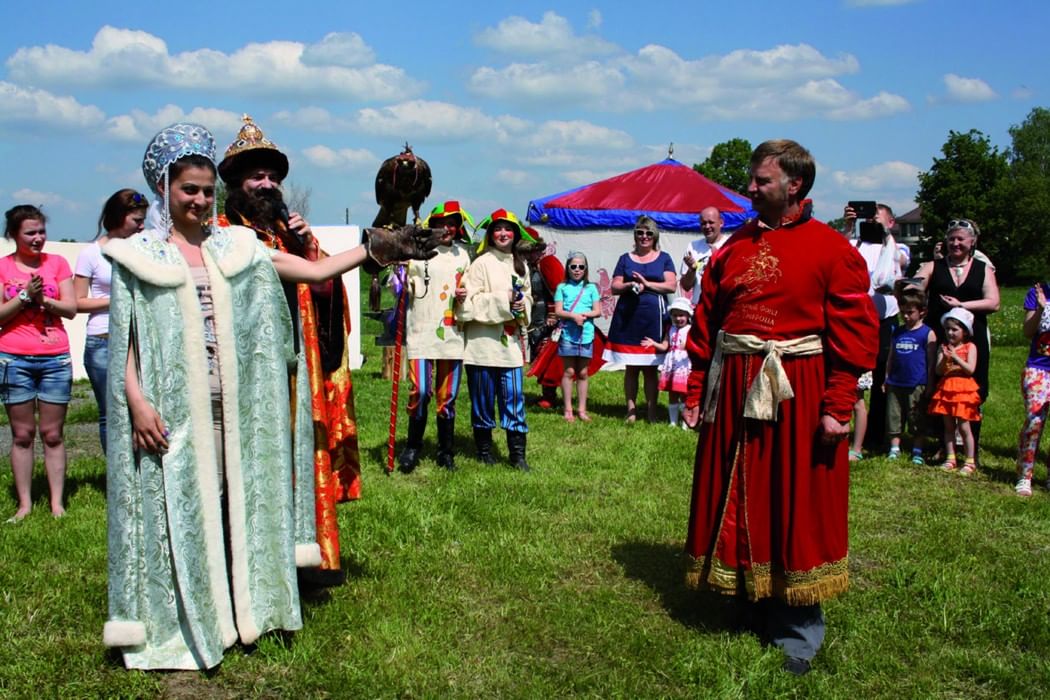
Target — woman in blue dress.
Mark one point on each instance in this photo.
(641, 279)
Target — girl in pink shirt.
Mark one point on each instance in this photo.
(36, 374)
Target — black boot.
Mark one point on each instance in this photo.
(516, 450)
(446, 439)
(409, 458)
(483, 445)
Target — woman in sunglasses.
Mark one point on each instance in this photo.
(962, 280)
(640, 280)
(123, 215)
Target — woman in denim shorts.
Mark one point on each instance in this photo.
(123, 214)
(36, 373)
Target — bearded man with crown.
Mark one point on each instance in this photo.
(325, 440)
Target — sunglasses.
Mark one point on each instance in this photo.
(961, 223)
(642, 233)
(575, 266)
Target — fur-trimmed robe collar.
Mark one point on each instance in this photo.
(159, 262)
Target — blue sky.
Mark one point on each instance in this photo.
(507, 101)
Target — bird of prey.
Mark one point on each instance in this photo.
(402, 181)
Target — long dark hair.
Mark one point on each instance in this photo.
(118, 206)
(19, 213)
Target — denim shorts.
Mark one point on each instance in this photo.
(48, 378)
(567, 348)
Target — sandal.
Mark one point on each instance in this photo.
(969, 467)
(949, 464)
(569, 417)
(855, 455)
(584, 417)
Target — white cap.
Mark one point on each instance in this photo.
(961, 315)
(681, 304)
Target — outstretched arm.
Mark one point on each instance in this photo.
(292, 268)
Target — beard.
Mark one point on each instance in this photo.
(262, 208)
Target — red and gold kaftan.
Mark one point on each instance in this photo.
(769, 502)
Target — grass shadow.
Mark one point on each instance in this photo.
(95, 482)
(663, 567)
(1001, 475)
(315, 585)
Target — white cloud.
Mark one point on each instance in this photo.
(882, 105)
(577, 133)
(582, 160)
(514, 178)
(39, 108)
(42, 199)
(594, 19)
(128, 58)
(687, 153)
(743, 67)
(827, 94)
(583, 177)
(967, 89)
(785, 82)
(1022, 92)
(312, 119)
(139, 126)
(343, 158)
(888, 176)
(541, 82)
(551, 38)
(421, 120)
(339, 49)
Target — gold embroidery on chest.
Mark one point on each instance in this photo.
(762, 267)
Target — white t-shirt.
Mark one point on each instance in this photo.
(702, 252)
(94, 266)
(885, 304)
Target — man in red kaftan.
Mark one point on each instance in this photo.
(783, 329)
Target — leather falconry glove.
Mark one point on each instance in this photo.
(388, 246)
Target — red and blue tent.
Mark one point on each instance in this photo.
(672, 193)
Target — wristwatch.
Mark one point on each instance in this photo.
(23, 296)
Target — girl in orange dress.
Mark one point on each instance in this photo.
(956, 397)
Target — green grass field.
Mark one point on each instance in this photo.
(567, 581)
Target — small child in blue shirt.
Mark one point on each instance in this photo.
(907, 384)
(577, 304)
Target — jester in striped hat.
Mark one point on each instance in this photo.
(495, 311)
(433, 338)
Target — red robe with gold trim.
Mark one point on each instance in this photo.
(769, 503)
(337, 464)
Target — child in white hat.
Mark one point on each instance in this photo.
(674, 371)
(956, 396)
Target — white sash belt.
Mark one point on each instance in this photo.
(771, 385)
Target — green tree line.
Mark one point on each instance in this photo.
(1005, 192)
